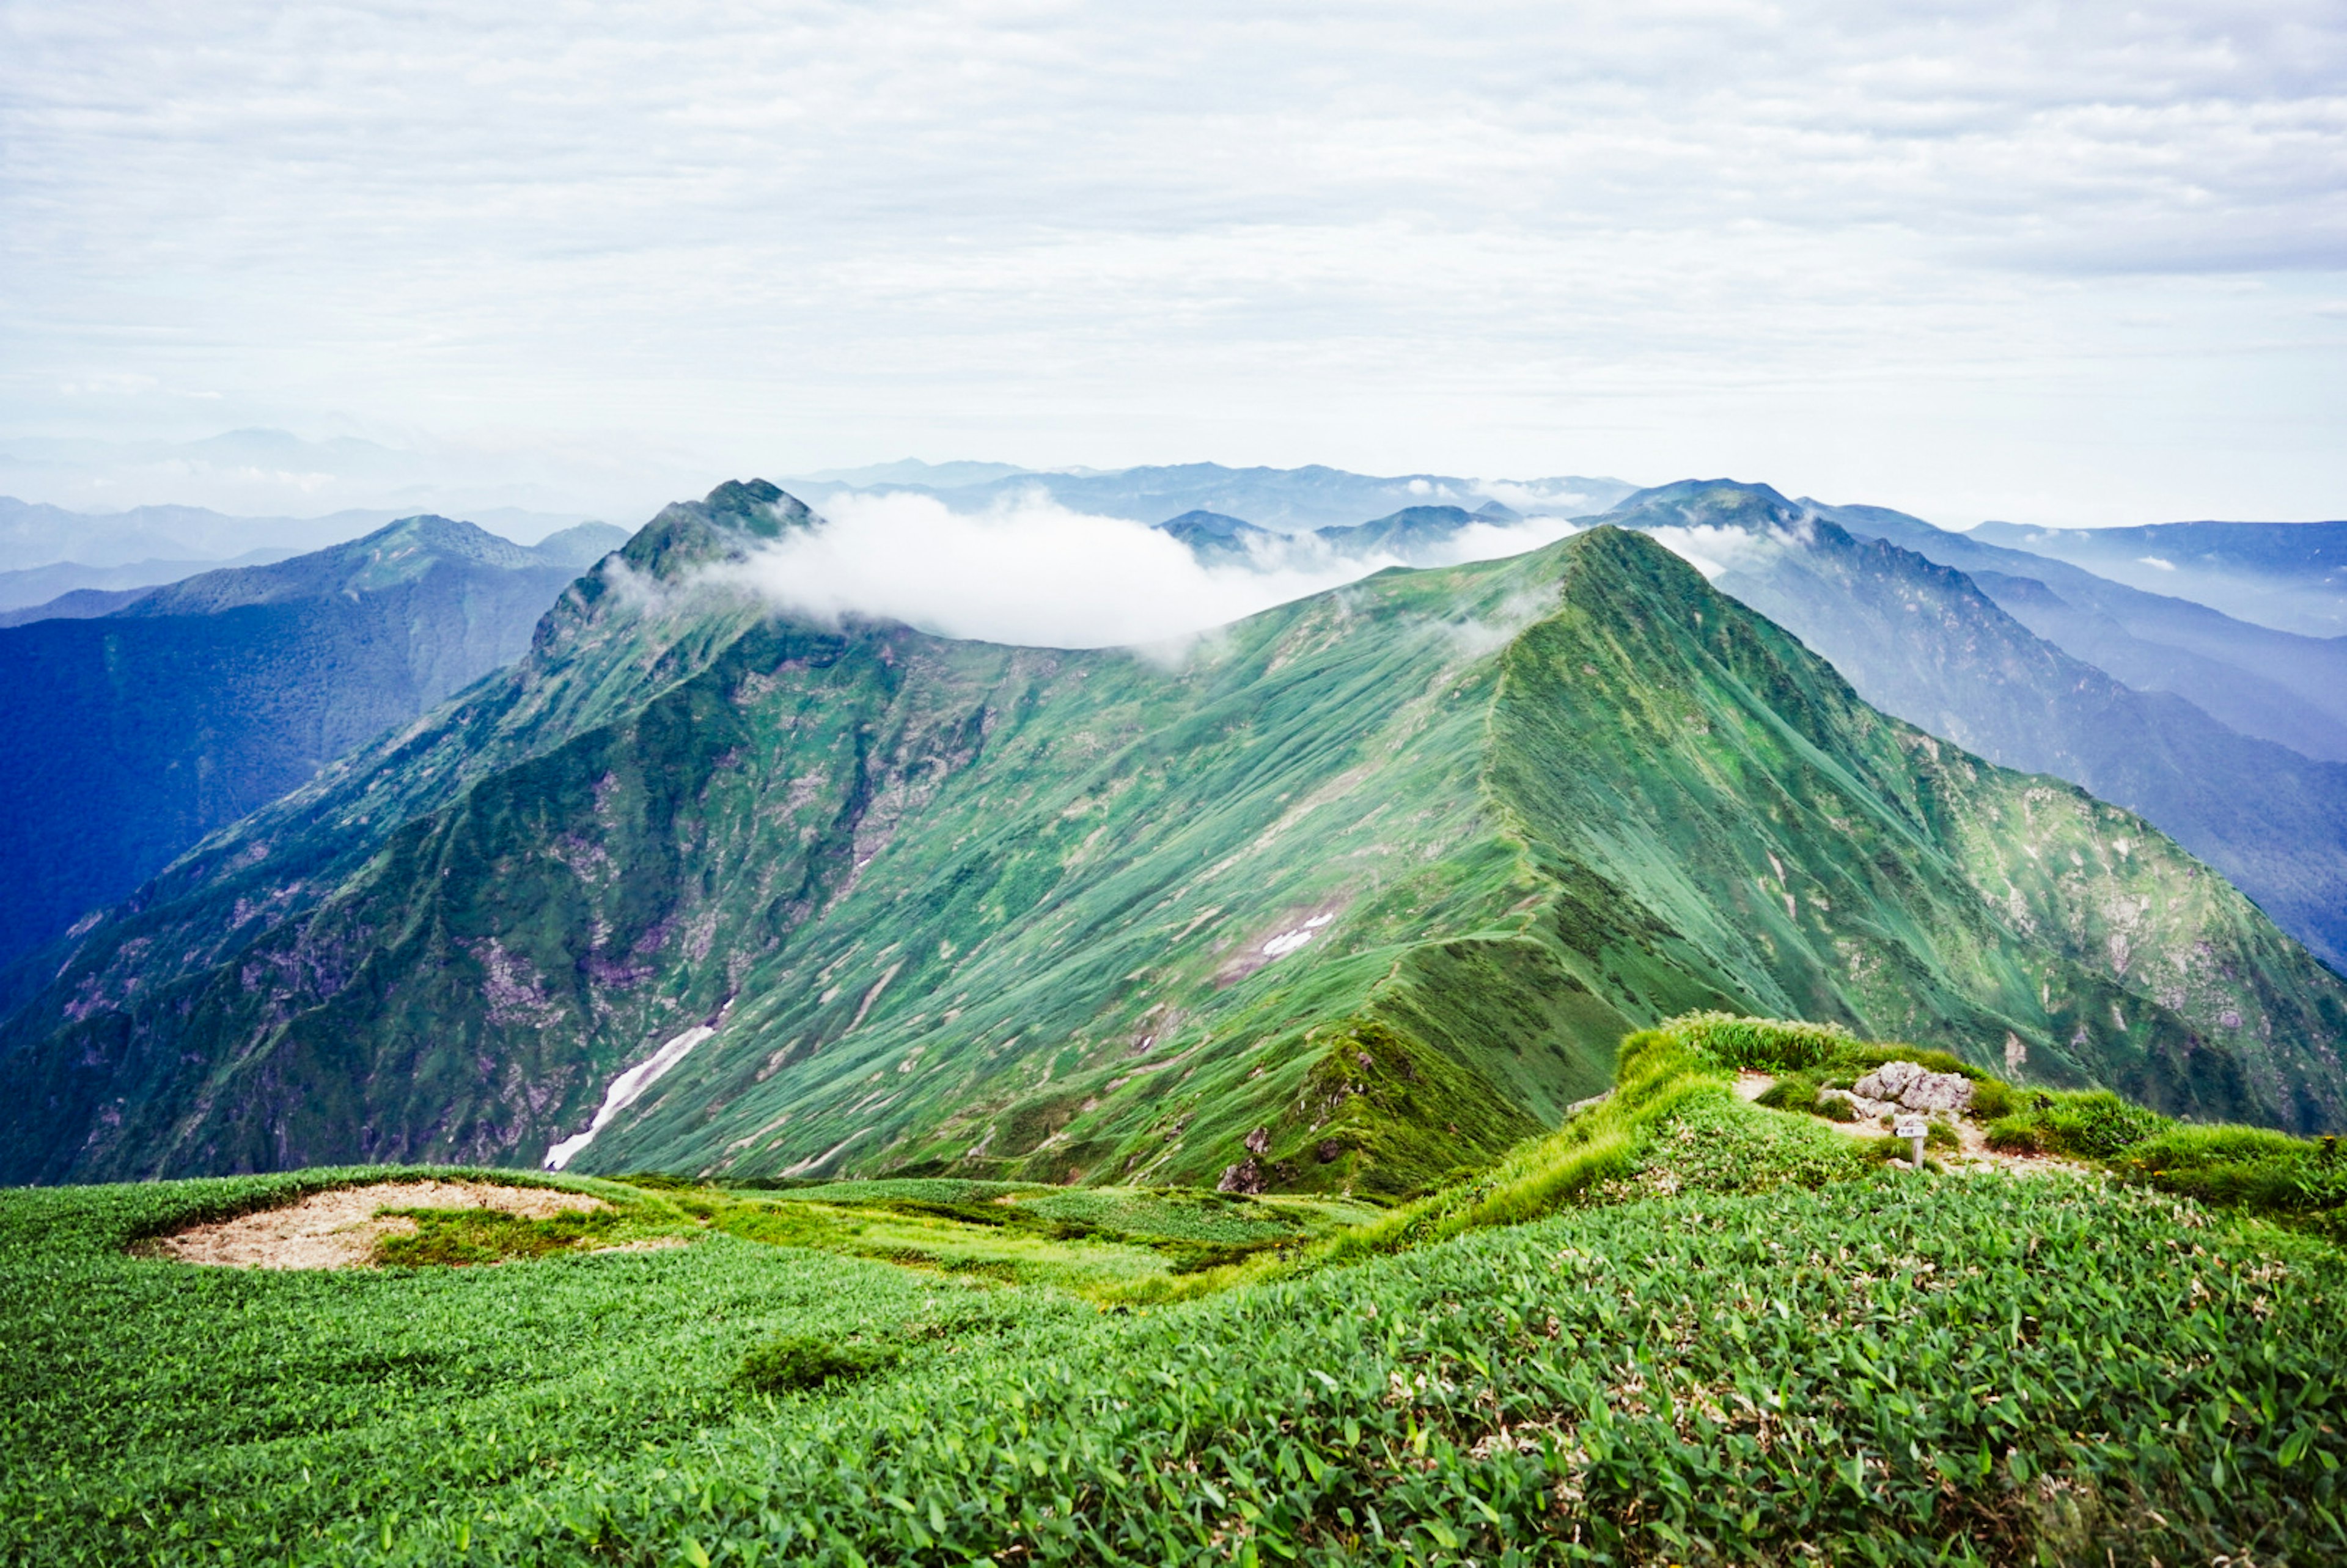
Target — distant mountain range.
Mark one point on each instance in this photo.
(68, 589)
(2292, 575)
(128, 734)
(2275, 685)
(1414, 535)
(1278, 500)
(1372, 880)
(47, 550)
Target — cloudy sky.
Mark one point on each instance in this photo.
(2073, 263)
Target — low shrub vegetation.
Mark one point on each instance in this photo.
(459, 1237)
(795, 1363)
(1681, 1329)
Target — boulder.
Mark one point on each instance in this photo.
(1911, 1086)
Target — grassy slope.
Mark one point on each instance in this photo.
(1923, 642)
(1776, 1356)
(990, 910)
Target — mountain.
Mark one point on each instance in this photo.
(1414, 535)
(128, 736)
(1923, 642)
(148, 542)
(81, 604)
(2276, 685)
(1366, 888)
(1282, 500)
(33, 585)
(1213, 538)
(1404, 532)
(2290, 576)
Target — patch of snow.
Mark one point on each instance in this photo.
(2155, 560)
(626, 1090)
(1286, 942)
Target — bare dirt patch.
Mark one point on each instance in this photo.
(338, 1229)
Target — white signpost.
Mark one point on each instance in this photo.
(1912, 1129)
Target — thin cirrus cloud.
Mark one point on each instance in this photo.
(2062, 262)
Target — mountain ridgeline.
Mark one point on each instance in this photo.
(1927, 643)
(127, 735)
(1365, 890)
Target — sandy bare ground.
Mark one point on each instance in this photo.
(337, 1229)
(1974, 1155)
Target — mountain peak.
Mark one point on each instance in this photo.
(687, 534)
(1708, 503)
(396, 552)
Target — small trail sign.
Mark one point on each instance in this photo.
(1912, 1129)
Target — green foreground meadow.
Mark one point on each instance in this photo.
(1682, 1328)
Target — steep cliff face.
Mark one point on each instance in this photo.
(1367, 887)
(125, 738)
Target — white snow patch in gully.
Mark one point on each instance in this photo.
(1286, 942)
(626, 1090)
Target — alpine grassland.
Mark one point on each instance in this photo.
(1683, 1327)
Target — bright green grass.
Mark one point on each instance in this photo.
(1732, 1344)
(1887, 1369)
(897, 1189)
(151, 1408)
(948, 1244)
(1114, 1244)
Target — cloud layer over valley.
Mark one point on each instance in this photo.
(1034, 573)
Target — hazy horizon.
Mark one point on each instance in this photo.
(2063, 268)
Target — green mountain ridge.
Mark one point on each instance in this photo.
(1366, 888)
(1923, 642)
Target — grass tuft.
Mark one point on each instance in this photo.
(801, 1363)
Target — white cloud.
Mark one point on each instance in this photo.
(1714, 551)
(1032, 573)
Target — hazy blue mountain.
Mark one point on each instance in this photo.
(39, 585)
(1377, 877)
(1213, 538)
(1414, 535)
(580, 544)
(81, 604)
(126, 737)
(2290, 576)
(1922, 641)
(1409, 533)
(2276, 685)
(1283, 500)
(35, 534)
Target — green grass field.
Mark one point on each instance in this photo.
(1680, 1329)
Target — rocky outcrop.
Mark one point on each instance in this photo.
(1897, 1086)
